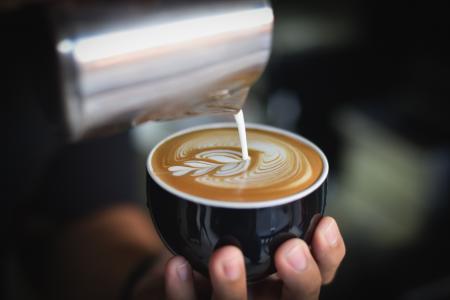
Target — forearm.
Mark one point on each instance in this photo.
(97, 254)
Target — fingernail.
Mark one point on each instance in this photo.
(232, 269)
(331, 233)
(296, 257)
(183, 271)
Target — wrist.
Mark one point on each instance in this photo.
(135, 280)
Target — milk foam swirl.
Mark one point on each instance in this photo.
(209, 159)
(207, 163)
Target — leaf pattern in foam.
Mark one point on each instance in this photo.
(226, 163)
(180, 170)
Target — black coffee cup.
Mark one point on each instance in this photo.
(194, 227)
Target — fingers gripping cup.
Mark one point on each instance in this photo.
(202, 195)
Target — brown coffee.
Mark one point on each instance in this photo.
(207, 163)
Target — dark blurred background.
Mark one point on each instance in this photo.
(368, 81)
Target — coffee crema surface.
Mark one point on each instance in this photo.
(208, 163)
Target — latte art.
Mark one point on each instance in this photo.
(224, 163)
(208, 163)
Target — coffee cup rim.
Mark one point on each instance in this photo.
(241, 205)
